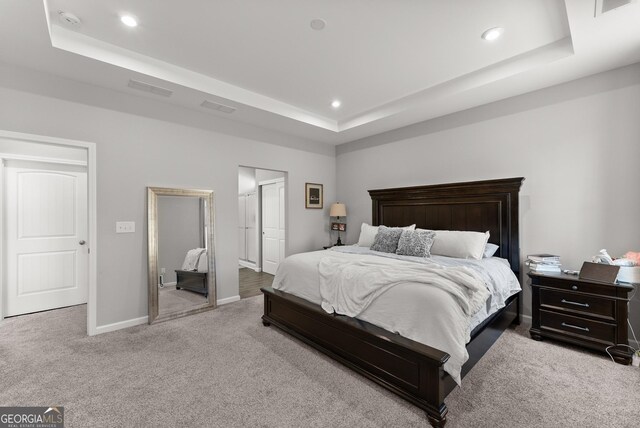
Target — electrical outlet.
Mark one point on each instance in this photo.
(163, 271)
(125, 226)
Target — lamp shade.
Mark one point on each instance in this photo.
(338, 210)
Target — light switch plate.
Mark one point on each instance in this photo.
(125, 226)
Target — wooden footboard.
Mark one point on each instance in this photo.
(410, 369)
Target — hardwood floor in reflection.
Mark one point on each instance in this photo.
(251, 281)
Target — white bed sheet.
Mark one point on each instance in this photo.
(410, 309)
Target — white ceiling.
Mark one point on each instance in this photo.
(390, 63)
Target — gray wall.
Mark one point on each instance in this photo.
(246, 180)
(180, 229)
(249, 178)
(134, 152)
(263, 175)
(578, 145)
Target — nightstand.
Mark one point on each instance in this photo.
(585, 313)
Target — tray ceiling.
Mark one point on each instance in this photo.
(389, 63)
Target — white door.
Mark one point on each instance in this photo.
(46, 229)
(273, 226)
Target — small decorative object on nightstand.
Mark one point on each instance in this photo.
(339, 210)
(582, 312)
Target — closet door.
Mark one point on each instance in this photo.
(252, 227)
(242, 227)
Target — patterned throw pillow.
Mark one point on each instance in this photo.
(387, 239)
(416, 243)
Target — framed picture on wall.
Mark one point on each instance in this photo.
(342, 227)
(335, 226)
(313, 195)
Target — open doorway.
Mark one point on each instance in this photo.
(47, 218)
(262, 225)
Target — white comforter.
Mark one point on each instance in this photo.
(426, 314)
(348, 287)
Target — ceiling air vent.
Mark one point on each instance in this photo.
(141, 86)
(604, 6)
(68, 19)
(216, 106)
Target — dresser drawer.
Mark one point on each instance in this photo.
(578, 303)
(580, 327)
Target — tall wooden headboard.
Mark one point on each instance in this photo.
(476, 206)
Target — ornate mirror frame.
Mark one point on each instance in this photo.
(152, 229)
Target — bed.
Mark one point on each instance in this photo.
(406, 367)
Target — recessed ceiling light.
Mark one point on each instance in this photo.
(492, 33)
(129, 21)
(336, 103)
(318, 24)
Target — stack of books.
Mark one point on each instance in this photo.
(543, 263)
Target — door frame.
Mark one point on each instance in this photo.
(91, 164)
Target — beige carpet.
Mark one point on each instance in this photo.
(224, 369)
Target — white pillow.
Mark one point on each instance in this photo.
(368, 234)
(459, 244)
(489, 250)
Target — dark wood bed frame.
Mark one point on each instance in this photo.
(412, 370)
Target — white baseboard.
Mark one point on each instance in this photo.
(120, 325)
(228, 300)
(249, 265)
(169, 284)
(526, 318)
(144, 320)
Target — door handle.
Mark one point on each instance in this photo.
(82, 242)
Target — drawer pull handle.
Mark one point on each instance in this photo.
(564, 324)
(574, 287)
(584, 305)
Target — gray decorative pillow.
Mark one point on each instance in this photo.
(387, 239)
(416, 243)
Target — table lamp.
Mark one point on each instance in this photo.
(338, 210)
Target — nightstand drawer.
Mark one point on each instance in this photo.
(563, 283)
(578, 303)
(576, 326)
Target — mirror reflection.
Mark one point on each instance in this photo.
(182, 253)
(181, 277)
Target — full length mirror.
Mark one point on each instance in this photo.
(181, 252)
